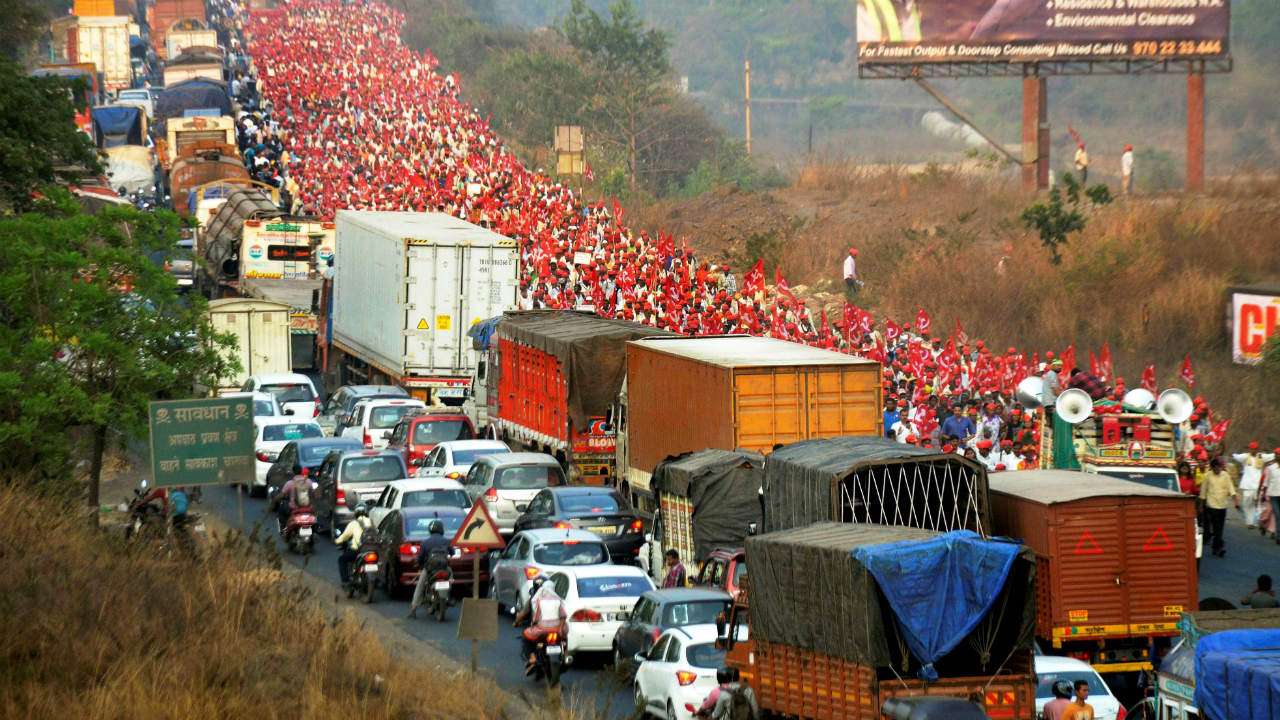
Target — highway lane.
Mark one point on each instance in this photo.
(590, 681)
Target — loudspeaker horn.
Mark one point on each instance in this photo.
(1140, 398)
(1074, 406)
(1175, 406)
(1031, 392)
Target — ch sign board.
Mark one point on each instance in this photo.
(202, 442)
(967, 31)
(1255, 314)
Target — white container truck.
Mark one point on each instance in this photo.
(103, 41)
(261, 329)
(178, 40)
(407, 287)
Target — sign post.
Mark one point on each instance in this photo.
(479, 620)
(207, 441)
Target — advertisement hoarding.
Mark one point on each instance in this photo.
(1255, 314)
(960, 31)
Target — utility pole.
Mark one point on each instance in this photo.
(747, 102)
(1195, 128)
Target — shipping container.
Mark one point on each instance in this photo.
(555, 377)
(1117, 561)
(261, 330)
(167, 15)
(103, 41)
(687, 394)
(407, 287)
(178, 40)
(827, 638)
(205, 70)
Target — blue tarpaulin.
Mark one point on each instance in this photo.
(115, 125)
(482, 332)
(1238, 675)
(939, 589)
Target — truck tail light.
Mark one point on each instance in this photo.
(1121, 714)
(491, 494)
(531, 572)
(686, 678)
(340, 498)
(585, 615)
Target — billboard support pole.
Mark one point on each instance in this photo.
(746, 66)
(1035, 130)
(1195, 129)
(924, 85)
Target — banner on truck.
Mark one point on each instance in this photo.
(957, 31)
(1254, 316)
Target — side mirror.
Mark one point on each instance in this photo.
(752, 528)
(721, 623)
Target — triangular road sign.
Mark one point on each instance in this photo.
(1087, 545)
(1158, 541)
(478, 531)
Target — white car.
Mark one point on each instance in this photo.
(453, 458)
(138, 97)
(537, 552)
(597, 599)
(373, 420)
(295, 393)
(419, 492)
(678, 673)
(270, 435)
(1051, 668)
(264, 404)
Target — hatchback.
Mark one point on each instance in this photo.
(679, 672)
(343, 401)
(535, 552)
(295, 393)
(373, 420)
(508, 482)
(452, 459)
(660, 610)
(597, 598)
(420, 432)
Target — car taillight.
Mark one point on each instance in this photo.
(531, 572)
(263, 457)
(454, 475)
(491, 494)
(1121, 714)
(371, 557)
(562, 525)
(316, 412)
(684, 677)
(341, 498)
(636, 525)
(585, 615)
(368, 441)
(409, 549)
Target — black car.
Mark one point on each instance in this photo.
(306, 453)
(400, 535)
(601, 510)
(660, 610)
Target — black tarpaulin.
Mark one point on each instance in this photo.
(191, 95)
(724, 488)
(873, 479)
(592, 352)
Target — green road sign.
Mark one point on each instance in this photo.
(208, 441)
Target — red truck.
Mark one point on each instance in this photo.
(164, 15)
(554, 380)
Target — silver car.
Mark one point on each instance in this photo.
(507, 483)
(537, 552)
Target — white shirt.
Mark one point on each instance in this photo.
(1126, 163)
(903, 429)
(850, 267)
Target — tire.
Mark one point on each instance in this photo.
(671, 711)
(493, 593)
(351, 590)
(620, 663)
(642, 705)
(442, 607)
(370, 585)
(553, 673)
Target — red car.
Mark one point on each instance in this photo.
(419, 433)
(401, 534)
(724, 568)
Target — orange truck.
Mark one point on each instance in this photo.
(166, 15)
(735, 392)
(1116, 562)
(816, 635)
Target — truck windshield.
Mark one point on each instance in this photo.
(290, 392)
(1167, 480)
(701, 612)
(447, 498)
(381, 418)
(466, 457)
(384, 468)
(528, 477)
(434, 432)
(1045, 681)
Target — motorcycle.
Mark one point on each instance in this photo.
(146, 519)
(299, 532)
(364, 574)
(439, 599)
(549, 652)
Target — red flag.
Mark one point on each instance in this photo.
(586, 172)
(923, 322)
(1094, 369)
(961, 337)
(781, 283)
(1219, 431)
(1069, 358)
(1104, 359)
(891, 331)
(1149, 378)
(753, 279)
(666, 245)
(823, 329)
(1187, 374)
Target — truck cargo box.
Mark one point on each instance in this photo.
(1116, 559)
(261, 330)
(707, 500)
(103, 41)
(874, 480)
(167, 15)
(178, 40)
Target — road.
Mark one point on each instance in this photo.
(1248, 556)
(591, 681)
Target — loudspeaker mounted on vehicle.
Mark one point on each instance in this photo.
(1074, 406)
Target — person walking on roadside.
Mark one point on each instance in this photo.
(1262, 596)
(1217, 491)
(1082, 164)
(1126, 170)
(1056, 708)
(675, 577)
(1251, 465)
(1269, 495)
(851, 281)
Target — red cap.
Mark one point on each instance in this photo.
(984, 444)
(853, 252)
(1253, 445)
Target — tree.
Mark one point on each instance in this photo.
(629, 73)
(92, 328)
(1058, 218)
(39, 142)
(531, 92)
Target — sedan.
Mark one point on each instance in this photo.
(400, 536)
(452, 459)
(534, 552)
(270, 436)
(597, 598)
(599, 510)
(1050, 669)
(676, 676)
(660, 610)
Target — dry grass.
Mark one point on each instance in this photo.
(97, 629)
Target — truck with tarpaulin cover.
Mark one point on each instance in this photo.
(553, 382)
(707, 500)
(1238, 674)
(1175, 697)
(1116, 562)
(873, 480)
(843, 616)
(687, 394)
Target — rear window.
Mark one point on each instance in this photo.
(314, 454)
(701, 612)
(466, 457)
(706, 656)
(446, 498)
(571, 553)
(592, 503)
(1045, 681)
(528, 477)
(264, 407)
(419, 528)
(613, 587)
(382, 418)
(291, 431)
(379, 468)
(290, 392)
(434, 432)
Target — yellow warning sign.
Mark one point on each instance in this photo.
(443, 322)
(422, 324)
(478, 530)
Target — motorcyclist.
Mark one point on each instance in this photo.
(350, 540)
(433, 556)
(548, 615)
(294, 496)
(173, 504)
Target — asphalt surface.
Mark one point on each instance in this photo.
(589, 683)
(1249, 555)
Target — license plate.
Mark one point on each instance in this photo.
(441, 585)
(605, 530)
(304, 532)
(370, 568)
(451, 392)
(554, 649)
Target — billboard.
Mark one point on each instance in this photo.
(1255, 314)
(957, 31)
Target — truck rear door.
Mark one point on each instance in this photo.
(270, 342)
(489, 284)
(433, 288)
(1088, 579)
(769, 407)
(843, 400)
(1160, 575)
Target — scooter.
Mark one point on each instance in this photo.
(299, 532)
(439, 598)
